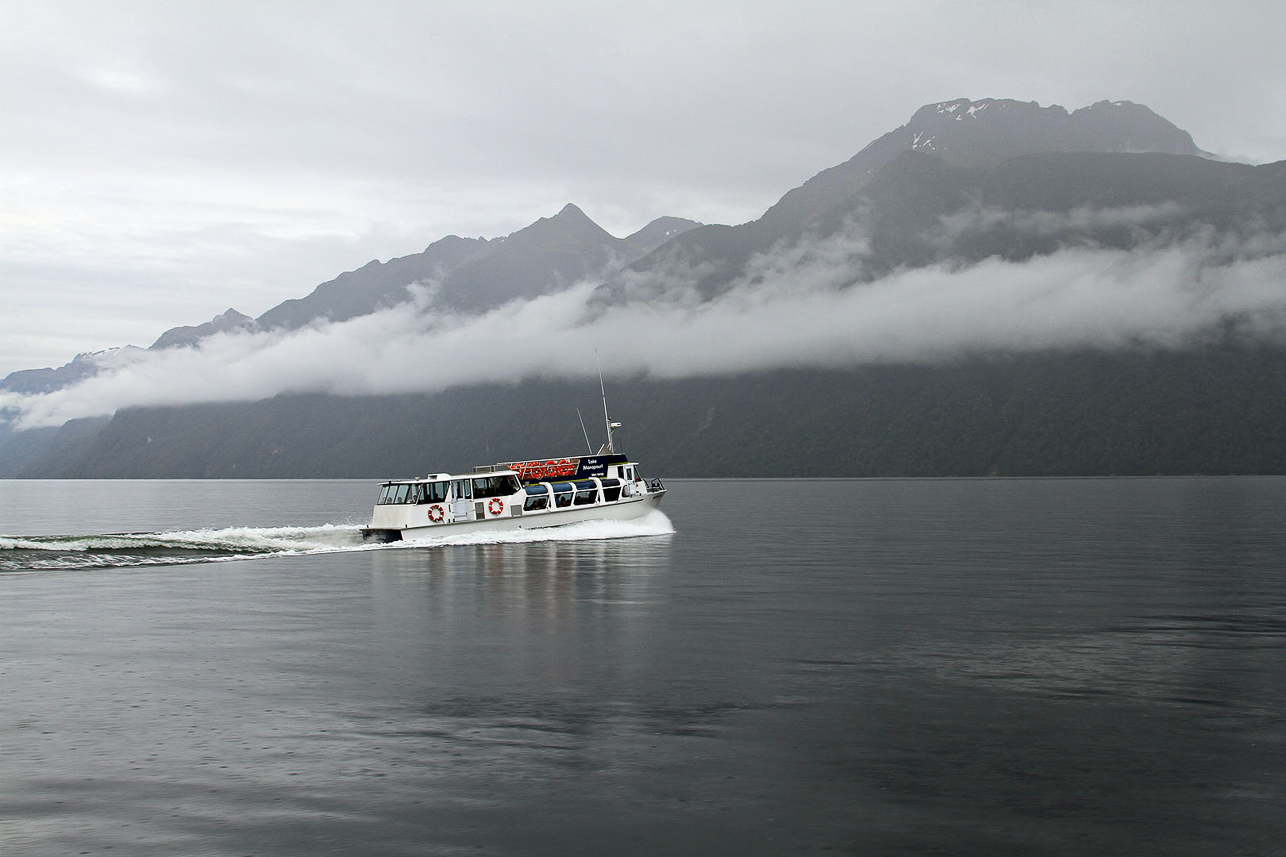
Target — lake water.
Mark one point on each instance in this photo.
(971, 667)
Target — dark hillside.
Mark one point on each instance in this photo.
(1211, 411)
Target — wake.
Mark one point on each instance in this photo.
(182, 547)
(124, 550)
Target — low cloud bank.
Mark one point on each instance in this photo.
(802, 306)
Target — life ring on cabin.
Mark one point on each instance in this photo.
(495, 505)
(437, 514)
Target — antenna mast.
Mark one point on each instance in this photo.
(588, 445)
(606, 419)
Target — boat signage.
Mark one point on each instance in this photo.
(564, 468)
(539, 471)
(593, 466)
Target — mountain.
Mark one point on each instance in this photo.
(985, 133)
(375, 285)
(89, 364)
(228, 320)
(961, 133)
(546, 256)
(473, 274)
(920, 209)
(655, 234)
(469, 275)
(962, 185)
(82, 366)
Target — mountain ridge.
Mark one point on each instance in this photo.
(960, 130)
(983, 133)
(938, 192)
(906, 213)
(558, 249)
(228, 320)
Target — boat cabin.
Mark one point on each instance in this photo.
(507, 490)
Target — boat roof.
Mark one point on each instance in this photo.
(444, 477)
(535, 470)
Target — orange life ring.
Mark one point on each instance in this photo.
(436, 514)
(495, 505)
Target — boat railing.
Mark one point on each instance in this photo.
(655, 485)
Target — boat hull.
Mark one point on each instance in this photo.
(621, 510)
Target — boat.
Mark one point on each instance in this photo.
(516, 495)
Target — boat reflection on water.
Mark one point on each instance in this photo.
(546, 578)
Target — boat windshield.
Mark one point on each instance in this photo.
(412, 492)
(396, 493)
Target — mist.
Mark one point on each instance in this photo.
(806, 304)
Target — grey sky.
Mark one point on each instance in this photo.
(162, 161)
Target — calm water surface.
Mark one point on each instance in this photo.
(972, 667)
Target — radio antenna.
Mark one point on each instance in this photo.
(606, 419)
(588, 445)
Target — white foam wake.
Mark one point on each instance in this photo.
(181, 547)
(237, 540)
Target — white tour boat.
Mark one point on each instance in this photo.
(515, 495)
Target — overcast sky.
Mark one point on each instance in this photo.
(163, 161)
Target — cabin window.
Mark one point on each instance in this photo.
(495, 486)
(586, 492)
(537, 498)
(611, 490)
(563, 492)
(432, 492)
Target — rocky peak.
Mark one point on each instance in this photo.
(985, 133)
(569, 228)
(87, 364)
(989, 131)
(657, 233)
(227, 320)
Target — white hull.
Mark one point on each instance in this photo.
(624, 510)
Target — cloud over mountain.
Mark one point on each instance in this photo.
(806, 304)
(896, 256)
